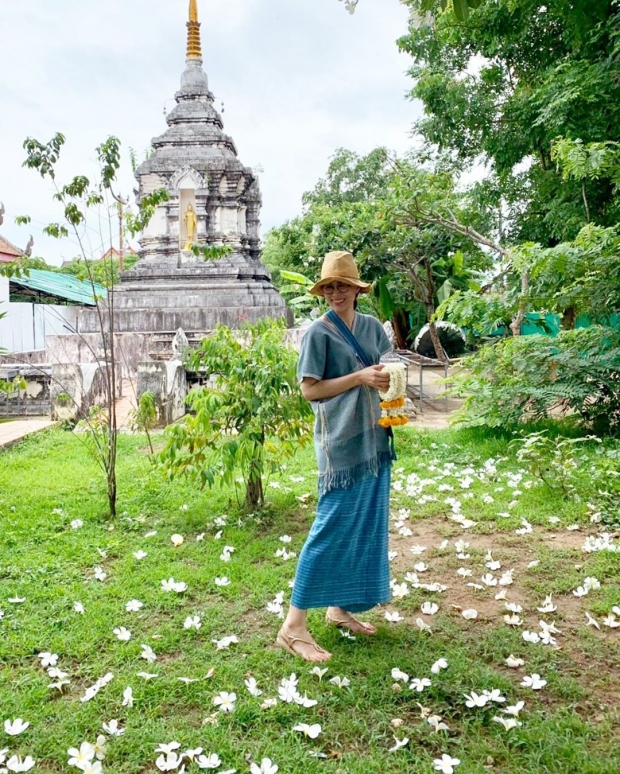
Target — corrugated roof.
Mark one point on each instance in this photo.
(64, 286)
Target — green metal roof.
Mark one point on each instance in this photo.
(65, 286)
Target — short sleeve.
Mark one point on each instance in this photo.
(385, 345)
(312, 355)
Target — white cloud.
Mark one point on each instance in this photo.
(298, 78)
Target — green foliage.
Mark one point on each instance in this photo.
(567, 468)
(211, 252)
(135, 224)
(104, 272)
(525, 377)
(253, 419)
(305, 305)
(503, 84)
(144, 417)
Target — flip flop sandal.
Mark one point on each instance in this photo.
(286, 642)
(346, 624)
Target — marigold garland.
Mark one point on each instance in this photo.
(393, 399)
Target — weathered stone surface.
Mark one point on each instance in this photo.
(168, 385)
(169, 287)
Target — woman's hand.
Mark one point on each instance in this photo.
(375, 376)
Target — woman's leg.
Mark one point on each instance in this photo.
(295, 637)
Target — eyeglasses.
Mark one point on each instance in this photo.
(339, 286)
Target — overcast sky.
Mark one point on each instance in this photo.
(298, 79)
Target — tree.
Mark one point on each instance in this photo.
(250, 420)
(76, 198)
(499, 86)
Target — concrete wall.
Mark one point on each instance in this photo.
(25, 326)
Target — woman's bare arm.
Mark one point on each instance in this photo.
(321, 389)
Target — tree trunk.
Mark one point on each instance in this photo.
(254, 496)
(401, 327)
(569, 317)
(515, 325)
(440, 352)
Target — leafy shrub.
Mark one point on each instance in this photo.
(526, 377)
(250, 421)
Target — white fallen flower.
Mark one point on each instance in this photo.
(440, 664)
(476, 700)
(192, 622)
(533, 637)
(112, 728)
(123, 634)
(340, 682)
(128, 697)
(15, 727)
(591, 621)
(393, 617)
(133, 606)
(311, 731)
(148, 654)
(534, 681)
(507, 723)
(514, 709)
(469, 614)
(398, 674)
(398, 743)
(252, 686)
(419, 684)
(429, 608)
(177, 540)
(225, 642)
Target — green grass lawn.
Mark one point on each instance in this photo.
(48, 560)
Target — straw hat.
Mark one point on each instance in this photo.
(339, 266)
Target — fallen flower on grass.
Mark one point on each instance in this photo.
(398, 743)
(15, 727)
(223, 581)
(476, 700)
(79, 757)
(148, 654)
(531, 636)
(207, 761)
(440, 664)
(423, 626)
(397, 674)
(470, 614)
(436, 723)
(225, 642)
(100, 575)
(513, 620)
(514, 709)
(128, 697)
(419, 684)
(311, 731)
(168, 762)
(146, 675)
(591, 621)
(611, 621)
(340, 682)
(16, 763)
(139, 555)
(319, 672)
(547, 606)
(177, 540)
(429, 608)
(268, 704)
(133, 606)
(123, 634)
(513, 662)
(446, 764)
(225, 701)
(172, 585)
(494, 695)
(534, 681)
(112, 728)
(192, 622)
(252, 686)
(508, 723)
(79, 608)
(48, 659)
(393, 616)
(266, 767)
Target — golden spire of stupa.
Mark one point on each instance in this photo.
(194, 50)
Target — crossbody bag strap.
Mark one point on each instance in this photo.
(348, 336)
(344, 330)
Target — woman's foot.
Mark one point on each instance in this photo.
(299, 643)
(336, 616)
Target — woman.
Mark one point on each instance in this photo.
(344, 564)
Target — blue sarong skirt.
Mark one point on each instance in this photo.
(344, 562)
